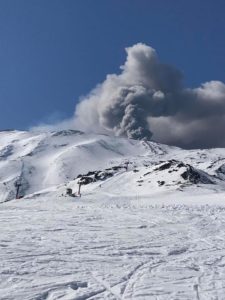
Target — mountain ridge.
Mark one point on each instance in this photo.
(52, 161)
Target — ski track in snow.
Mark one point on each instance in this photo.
(144, 233)
(86, 249)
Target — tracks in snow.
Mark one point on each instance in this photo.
(47, 248)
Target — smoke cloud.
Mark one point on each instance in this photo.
(148, 101)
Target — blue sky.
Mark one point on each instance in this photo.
(54, 51)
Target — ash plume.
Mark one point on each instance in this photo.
(148, 100)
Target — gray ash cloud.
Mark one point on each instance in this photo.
(148, 100)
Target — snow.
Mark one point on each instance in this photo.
(68, 248)
(127, 237)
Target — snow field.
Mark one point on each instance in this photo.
(83, 249)
(150, 232)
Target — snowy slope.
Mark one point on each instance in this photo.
(46, 161)
(111, 248)
(43, 160)
(149, 225)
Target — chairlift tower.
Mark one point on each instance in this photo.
(79, 188)
(18, 184)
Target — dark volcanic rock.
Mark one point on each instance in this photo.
(85, 180)
(221, 169)
(67, 132)
(93, 176)
(190, 174)
(165, 166)
(196, 176)
(160, 183)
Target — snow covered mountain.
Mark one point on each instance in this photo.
(51, 162)
(149, 224)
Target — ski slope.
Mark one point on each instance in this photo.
(44, 161)
(149, 225)
(111, 249)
